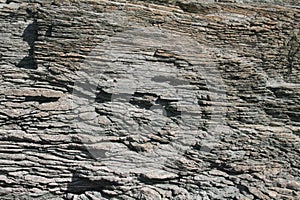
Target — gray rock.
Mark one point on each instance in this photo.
(166, 99)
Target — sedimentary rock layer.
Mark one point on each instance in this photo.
(149, 100)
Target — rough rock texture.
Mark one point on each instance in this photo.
(149, 100)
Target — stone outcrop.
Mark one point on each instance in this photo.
(165, 99)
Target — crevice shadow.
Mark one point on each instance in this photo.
(80, 185)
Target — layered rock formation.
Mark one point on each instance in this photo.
(149, 100)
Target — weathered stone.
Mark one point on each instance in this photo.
(168, 99)
(158, 175)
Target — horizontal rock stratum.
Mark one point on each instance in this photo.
(167, 99)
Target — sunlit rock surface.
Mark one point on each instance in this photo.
(166, 99)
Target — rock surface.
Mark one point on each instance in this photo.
(165, 99)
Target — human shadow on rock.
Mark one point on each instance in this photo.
(30, 35)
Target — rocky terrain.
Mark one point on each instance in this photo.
(166, 99)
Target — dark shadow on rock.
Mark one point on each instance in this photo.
(28, 62)
(49, 31)
(30, 35)
(80, 185)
